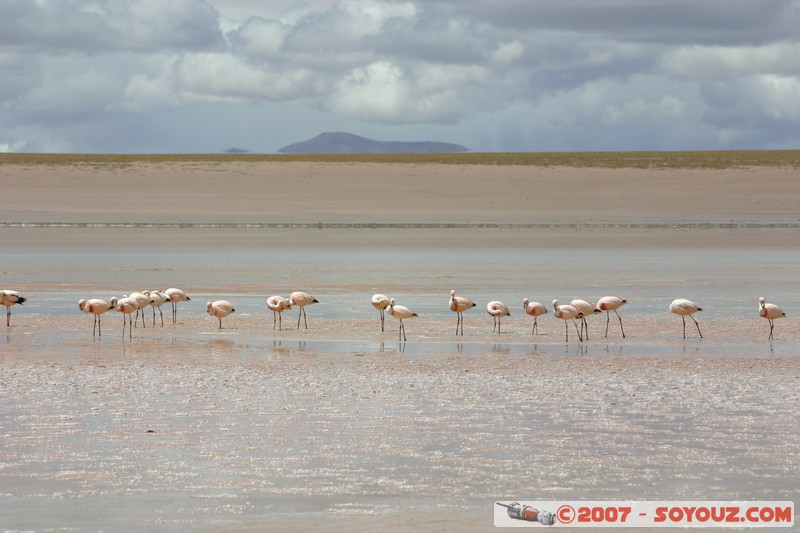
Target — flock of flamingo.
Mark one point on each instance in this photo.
(575, 310)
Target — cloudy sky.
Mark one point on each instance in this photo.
(501, 75)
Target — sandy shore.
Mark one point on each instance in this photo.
(343, 428)
(744, 207)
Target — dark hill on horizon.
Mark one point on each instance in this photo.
(347, 143)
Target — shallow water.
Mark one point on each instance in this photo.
(343, 427)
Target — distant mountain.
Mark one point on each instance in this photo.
(347, 143)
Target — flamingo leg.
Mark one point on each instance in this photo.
(161, 313)
(8, 316)
(620, 324)
(99, 333)
(580, 335)
(126, 318)
(136, 322)
(698, 326)
(608, 317)
(771, 325)
(220, 321)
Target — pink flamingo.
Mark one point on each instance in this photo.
(770, 312)
(612, 303)
(157, 299)
(301, 299)
(459, 304)
(277, 304)
(685, 307)
(127, 306)
(381, 302)
(585, 308)
(9, 298)
(175, 296)
(534, 309)
(567, 312)
(220, 309)
(497, 310)
(97, 307)
(400, 312)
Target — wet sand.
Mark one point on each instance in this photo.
(341, 427)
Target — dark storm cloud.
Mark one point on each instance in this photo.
(55, 27)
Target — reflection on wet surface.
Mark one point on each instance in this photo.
(198, 428)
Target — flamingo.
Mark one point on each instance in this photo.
(684, 307)
(567, 312)
(400, 312)
(770, 312)
(459, 304)
(127, 306)
(381, 302)
(142, 301)
(301, 299)
(220, 309)
(534, 309)
(175, 296)
(97, 307)
(497, 309)
(9, 298)
(157, 299)
(612, 303)
(585, 308)
(277, 304)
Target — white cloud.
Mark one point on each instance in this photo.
(368, 17)
(379, 91)
(260, 37)
(219, 77)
